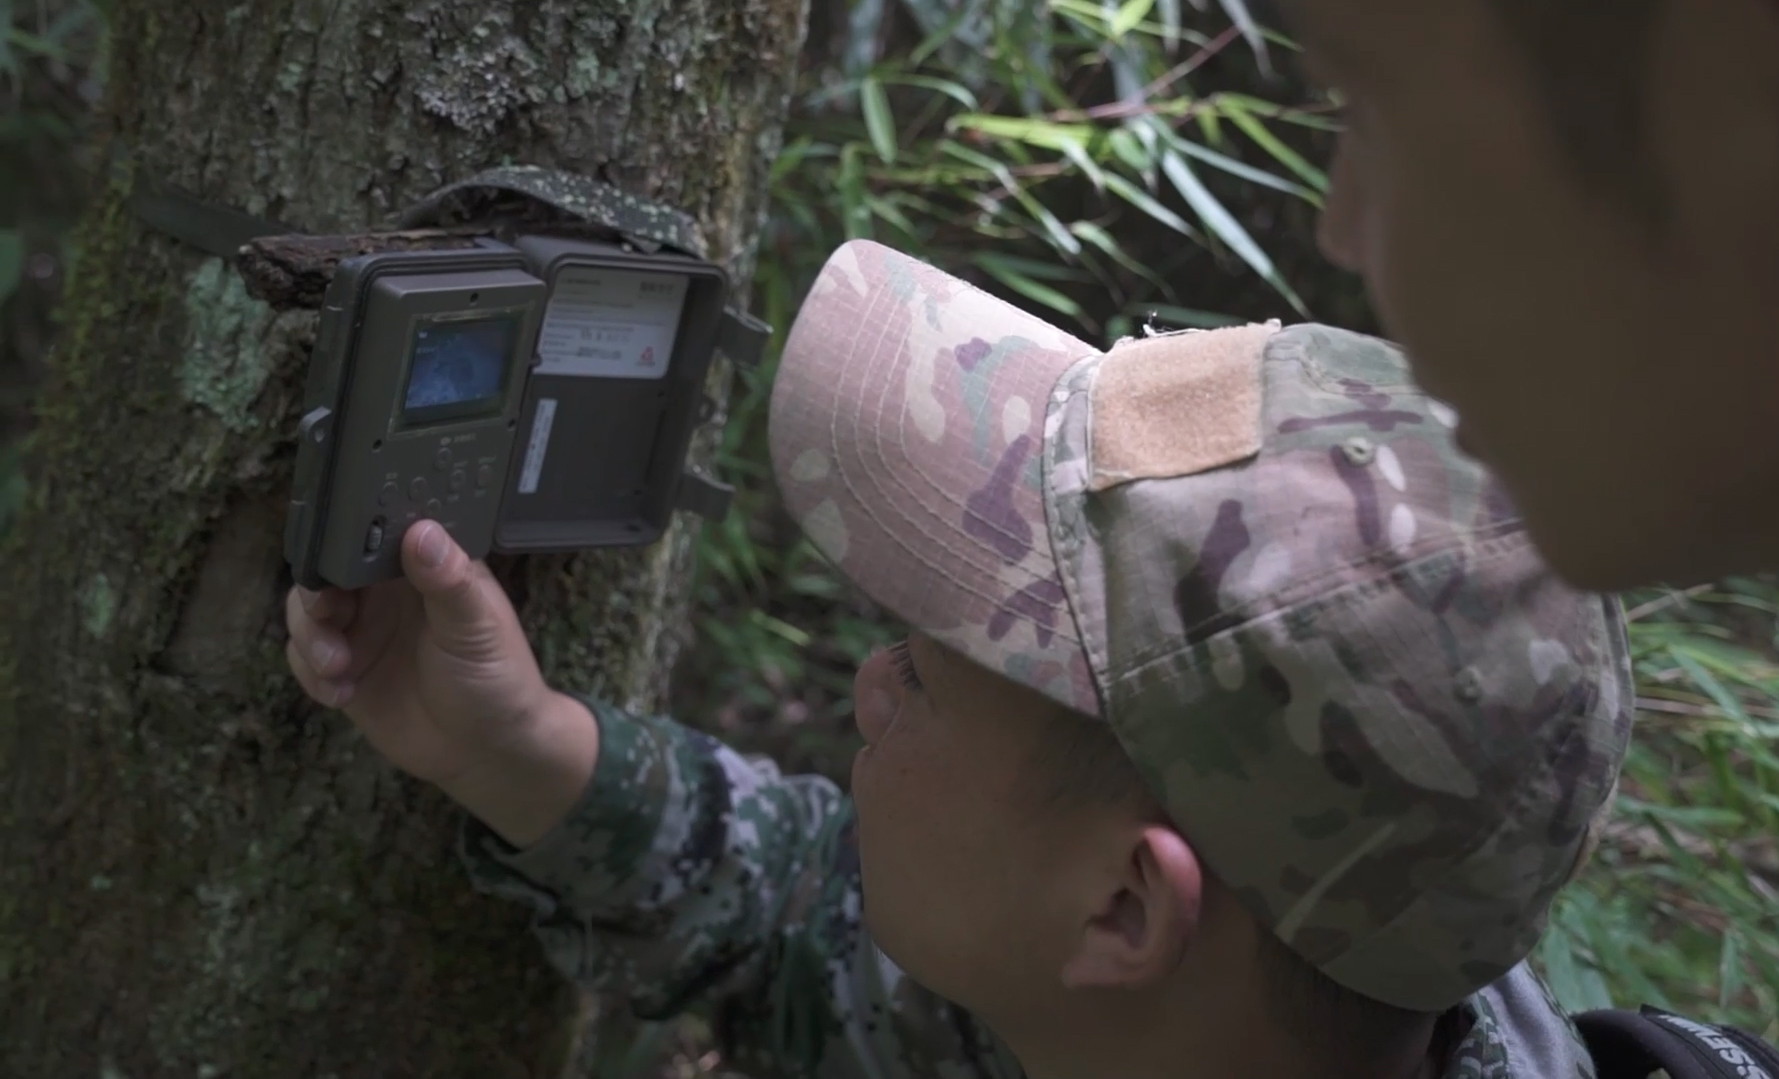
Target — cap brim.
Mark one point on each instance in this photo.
(907, 429)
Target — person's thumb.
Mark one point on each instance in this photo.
(459, 610)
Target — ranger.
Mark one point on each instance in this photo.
(1242, 731)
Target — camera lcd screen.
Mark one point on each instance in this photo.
(459, 368)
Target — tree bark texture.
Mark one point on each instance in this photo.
(201, 874)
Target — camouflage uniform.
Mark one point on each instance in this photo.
(1315, 626)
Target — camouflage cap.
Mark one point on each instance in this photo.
(1316, 626)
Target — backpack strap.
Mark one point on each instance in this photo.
(1631, 1045)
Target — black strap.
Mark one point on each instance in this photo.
(706, 497)
(170, 209)
(1631, 1045)
(742, 337)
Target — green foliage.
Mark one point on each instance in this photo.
(1681, 906)
(49, 67)
(1061, 131)
(43, 31)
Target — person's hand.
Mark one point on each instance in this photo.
(436, 673)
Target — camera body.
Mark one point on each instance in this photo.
(531, 397)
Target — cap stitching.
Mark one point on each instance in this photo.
(1065, 567)
(970, 546)
(874, 512)
(1319, 375)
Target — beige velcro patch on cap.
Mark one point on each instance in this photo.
(1177, 404)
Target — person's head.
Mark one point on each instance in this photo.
(1238, 703)
(1566, 214)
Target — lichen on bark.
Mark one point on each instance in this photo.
(200, 873)
(228, 361)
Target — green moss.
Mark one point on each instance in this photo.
(99, 243)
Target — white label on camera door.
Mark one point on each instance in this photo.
(534, 449)
(611, 323)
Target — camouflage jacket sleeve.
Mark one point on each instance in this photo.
(690, 874)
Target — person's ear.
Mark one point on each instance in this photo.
(1146, 918)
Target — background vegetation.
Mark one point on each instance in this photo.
(1104, 164)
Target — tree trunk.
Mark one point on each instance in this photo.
(202, 875)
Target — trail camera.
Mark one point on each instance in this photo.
(530, 396)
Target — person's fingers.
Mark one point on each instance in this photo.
(334, 694)
(323, 648)
(460, 609)
(331, 606)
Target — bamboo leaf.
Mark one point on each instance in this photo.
(1053, 227)
(1238, 13)
(779, 628)
(1169, 14)
(1223, 224)
(1211, 124)
(1091, 17)
(1103, 241)
(1078, 156)
(1145, 202)
(1001, 270)
(1036, 132)
(1129, 17)
(1562, 970)
(851, 189)
(890, 212)
(1128, 150)
(1245, 171)
(956, 91)
(1269, 142)
(878, 120)
(1729, 969)
(982, 161)
(1040, 269)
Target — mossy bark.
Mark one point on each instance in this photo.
(200, 873)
